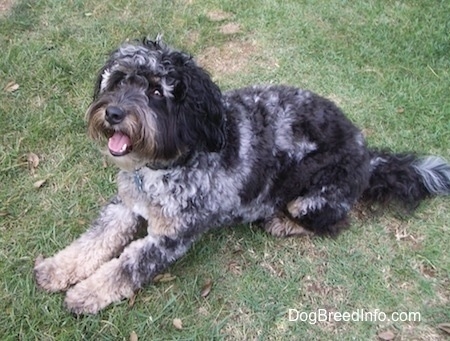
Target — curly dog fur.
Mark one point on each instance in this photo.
(193, 159)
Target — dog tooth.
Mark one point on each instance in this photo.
(124, 148)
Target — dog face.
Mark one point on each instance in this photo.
(155, 106)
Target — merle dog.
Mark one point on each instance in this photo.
(193, 159)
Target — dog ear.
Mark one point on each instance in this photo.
(102, 78)
(156, 44)
(98, 83)
(198, 102)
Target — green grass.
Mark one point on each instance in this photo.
(385, 63)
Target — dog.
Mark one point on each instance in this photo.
(193, 159)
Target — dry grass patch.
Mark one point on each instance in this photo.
(218, 15)
(234, 57)
(419, 332)
(230, 28)
(192, 37)
(230, 58)
(5, 6)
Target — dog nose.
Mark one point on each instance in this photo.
(114, 115)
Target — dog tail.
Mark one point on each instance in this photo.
(406, 178)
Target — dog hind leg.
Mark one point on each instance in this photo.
(324, 213)
(280, 225)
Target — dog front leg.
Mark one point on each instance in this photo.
(139, 263)
(106, 238)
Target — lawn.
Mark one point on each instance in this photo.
(387, 65)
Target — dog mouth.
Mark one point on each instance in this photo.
(119, 144)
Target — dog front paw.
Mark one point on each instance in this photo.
(82, 300)
(49, 275)
(98, 291)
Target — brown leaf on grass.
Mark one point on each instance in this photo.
(238, 249)
(161, 278)
(40, 183)
(445, 327)
(206, 288)
(428, 271)
(11, 87)
(234, 268)
(177, 323)
(386, 335)
(133, 336)
(33, 161)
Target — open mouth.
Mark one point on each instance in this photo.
(119, 144)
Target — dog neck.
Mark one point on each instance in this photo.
(160, 165)
(168, 164)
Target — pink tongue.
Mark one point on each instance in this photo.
(117, 142)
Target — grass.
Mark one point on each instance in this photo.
(385, 63)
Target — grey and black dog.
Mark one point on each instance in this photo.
(193, 159)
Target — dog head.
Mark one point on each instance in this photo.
(154, 105)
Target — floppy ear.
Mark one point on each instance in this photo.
(103, 74)
(98, 83)
(198, 102)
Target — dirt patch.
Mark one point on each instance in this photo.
(5, 6)
(229, 58)
(218, 15)
(192, 37)
(233, 57)
(230, 28)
